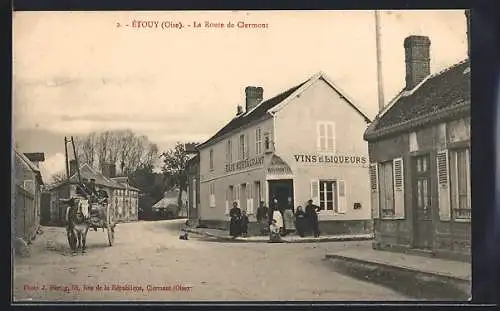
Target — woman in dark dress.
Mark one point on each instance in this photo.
(300, 221)
(234, 225)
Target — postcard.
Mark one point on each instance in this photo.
(209, 156)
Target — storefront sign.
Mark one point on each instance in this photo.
(240, 165)
(279, 170)
(278, 167)
(335, 159)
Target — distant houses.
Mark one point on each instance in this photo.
(124, 198)
(26, 195)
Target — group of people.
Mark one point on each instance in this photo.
(238, 225)
(278, 220)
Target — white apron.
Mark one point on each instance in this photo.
(279, 219)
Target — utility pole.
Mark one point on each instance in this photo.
(66, 156)
(380, 80)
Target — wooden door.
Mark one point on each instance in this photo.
(422, 205)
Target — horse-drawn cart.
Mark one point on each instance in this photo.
(89, 209)
(82, 216)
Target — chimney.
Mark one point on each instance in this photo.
(72, 168)
(112, 170)
(467, 17)
(109, 170)
(35, 158)
(253, 96)
(239, 110)
(417, 59)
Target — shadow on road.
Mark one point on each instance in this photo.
(402, 282)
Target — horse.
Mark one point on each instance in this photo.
(77, 223)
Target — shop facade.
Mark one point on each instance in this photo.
(305, 143)
(420, 160)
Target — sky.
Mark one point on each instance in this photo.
(77, 72)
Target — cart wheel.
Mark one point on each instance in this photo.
(110, 226)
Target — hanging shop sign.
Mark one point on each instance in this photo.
(244, 164)
(331, 159)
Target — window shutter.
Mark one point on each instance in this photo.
(374, 190)
(237, 199)
(315, 191)
(249, 199)
(212, 195)
(443, 185)
(330, 137)
(342, 201)
(399, 191)
(319, 126)
(228, 199)
(247, 146)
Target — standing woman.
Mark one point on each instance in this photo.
(275, 214)
(234, 225)
(289, 224)
(300, 221)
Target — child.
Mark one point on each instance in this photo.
(274, 232)
(244, 223)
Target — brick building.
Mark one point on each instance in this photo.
(419, 147)
(305, 143)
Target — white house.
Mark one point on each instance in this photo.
(305, 143)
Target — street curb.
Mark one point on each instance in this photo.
(284, 240)
(452, 283)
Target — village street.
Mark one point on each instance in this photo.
(150, 254)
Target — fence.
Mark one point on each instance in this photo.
(26, 214)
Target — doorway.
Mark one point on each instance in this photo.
(282, 190)
(423, 226)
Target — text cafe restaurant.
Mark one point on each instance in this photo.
(305, 143)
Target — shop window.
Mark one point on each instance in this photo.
(460, 183)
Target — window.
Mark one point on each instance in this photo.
(326, 136)
(328, 195)
(211, 187)
(267, 141)
(258, 141)
(243, 148)
(229, 152)
(257, 192)
(386, 188)
(211, 159)
(460, 183)
(194, 193)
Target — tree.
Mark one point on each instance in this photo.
(59, 177)
(119, 147)
(174, 167)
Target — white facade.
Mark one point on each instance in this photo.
(317, 133)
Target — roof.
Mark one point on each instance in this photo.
(88, 172)
(35, 156)
(30, 165)
(264, 107)
(443, 90)
(123, 180)
(166, 202)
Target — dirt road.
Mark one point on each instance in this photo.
(149, 262)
